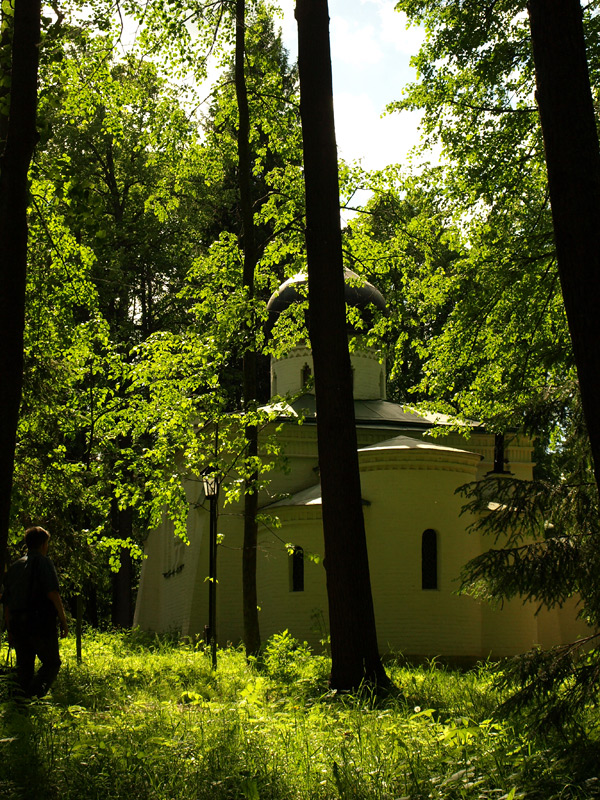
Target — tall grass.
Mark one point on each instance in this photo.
(148, 719)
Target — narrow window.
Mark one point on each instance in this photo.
(305, 375)
(274, 383)
(297, 570)
(381, 386)
(429, 567)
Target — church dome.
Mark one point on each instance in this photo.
(359, 293)
(291, 372)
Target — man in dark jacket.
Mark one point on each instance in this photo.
(32, 604)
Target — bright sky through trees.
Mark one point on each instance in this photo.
(371, 50)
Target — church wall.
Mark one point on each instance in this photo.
(408, 494)
(368, 375)
(510, 626)
(192, 589)
(169, 577)
(287, 372)
(418, 621)
(230, 624)
(290, 374)
(422, 622)
(301, 612)
(148, 604)
(174, 582)
(280, 607)
(299, 443)
(516, 628)
(508, 629)
(399, 489)
(300, 446)
(559, 625)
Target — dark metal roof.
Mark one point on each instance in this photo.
(375, 412)
(398, 445)
(359, 293)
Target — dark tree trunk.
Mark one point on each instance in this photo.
(354, 651)
(122, 581)
(568, 123)
(14, 196)
(5, 70)
(250, 605)
(90, 593)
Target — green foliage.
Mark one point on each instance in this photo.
(503, 354)
(406, 244)
(475, 82)
(107, 255)
(505, 346)
(135, 296)
(546, 551)
(540, 558)
(288, 661)
(556, 686)
(147, 717)
(114, 151)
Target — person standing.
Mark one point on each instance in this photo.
(32, 605)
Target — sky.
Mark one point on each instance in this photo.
(371, 49)
(370, 52)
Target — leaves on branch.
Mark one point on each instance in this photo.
(553, 686)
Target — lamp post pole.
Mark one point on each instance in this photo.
(212, 576)
(210, 484)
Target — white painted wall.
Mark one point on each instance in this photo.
(368, 370)
(407, 491)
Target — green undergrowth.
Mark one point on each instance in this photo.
(148, 719)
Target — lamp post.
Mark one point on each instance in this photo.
(210, 484)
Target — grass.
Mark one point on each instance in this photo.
(147, 719)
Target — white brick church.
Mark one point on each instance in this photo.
(416, 536)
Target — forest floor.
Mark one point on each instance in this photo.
(148, 719)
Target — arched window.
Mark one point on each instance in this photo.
(429, 560)
(305, 375)
(297, 569)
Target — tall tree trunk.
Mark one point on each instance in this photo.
(6, 35)
(122, 581)
(14, 189)
(250, 604)
(568, 123)
(354, 651)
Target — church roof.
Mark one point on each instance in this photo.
(378, 412)
(307, 497)
(408, 443)
(312, 495)
(358, 293)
